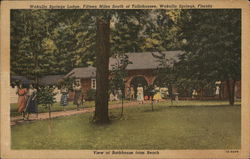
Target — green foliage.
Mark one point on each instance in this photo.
(150, 91)
(91, 94)
(28, 29)
(46, 96)
(45, 39)
(211, 41)
(166, 73)
(161, 31)
(213, 47)
(67, 82)
(127, 31)
(118, 73)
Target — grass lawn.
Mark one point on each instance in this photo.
(88, 104)
(189, 127)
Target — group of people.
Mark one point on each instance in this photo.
(26, 103)
(158, 94)
(27, 97)
(142, 95)
(77, 95)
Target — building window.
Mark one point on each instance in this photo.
(93, 83)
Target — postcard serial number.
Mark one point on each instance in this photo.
(232, 151)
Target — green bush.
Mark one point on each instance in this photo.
(91, 93)
(45, 96)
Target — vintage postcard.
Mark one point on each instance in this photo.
(125, 79)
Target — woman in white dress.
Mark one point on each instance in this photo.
(140, 94)
(31, 105)
(157, 96)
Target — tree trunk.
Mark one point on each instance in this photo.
(170, 88)
(230, 91)
(122, 104)
(102, 72)
(49, 111)
(152, 103)
(201, 95)
(36, 67)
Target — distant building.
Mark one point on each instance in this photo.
(86, 76)
(50, 80)
(142, 70)
(23, 79)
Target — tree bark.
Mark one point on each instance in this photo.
(230, 90)
(122, 102)
(102, 63)
(152, 103)
(170, 88)
(49, 111)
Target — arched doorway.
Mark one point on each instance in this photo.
(136, 81)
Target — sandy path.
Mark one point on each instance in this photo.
(42, 116)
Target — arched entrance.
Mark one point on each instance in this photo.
(136, 81)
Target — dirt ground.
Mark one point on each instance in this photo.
(42, 116)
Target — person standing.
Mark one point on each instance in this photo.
(31, 106)
(119, 94)
(132, 93)
(21, 103)
(217, 91)
(157, 96)
(64, 97)
(127, 92)
(140, 96)
(77, 94)
(194, 94)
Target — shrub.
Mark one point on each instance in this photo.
(91, 93)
